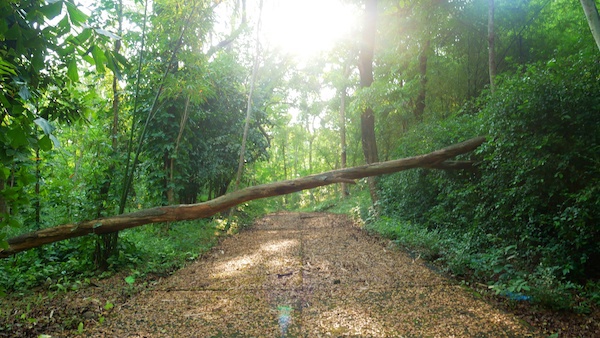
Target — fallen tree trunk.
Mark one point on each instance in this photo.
(182, 212)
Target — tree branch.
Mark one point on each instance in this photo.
(209, 208)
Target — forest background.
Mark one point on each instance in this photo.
(118, 105)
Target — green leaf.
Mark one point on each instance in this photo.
(108, 305)
(99, 59)
(17, 137)
(66, 51)
(37, 62)
(130, 280)
(13, 33)
(83, 36)
(63, 26)
(14, 223)
(45, 125)
(24, 92)
(3, 27)
(120, 58)
(54, 141)
(107, 34)
(72, 71)
(76, 16)
(4, 174)
(88, 59)
(7, 68)
(112, 65)
(52, 10)
(44, 143)
(4, 101)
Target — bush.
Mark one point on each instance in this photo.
(541, 172)
(149, 249)
(536, 195)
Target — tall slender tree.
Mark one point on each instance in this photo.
(107, 244)
(420, 102)
(249, 105)
(367, 117)
(491, 45)
(343, 153)
(593, 18)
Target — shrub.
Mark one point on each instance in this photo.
(537, 188)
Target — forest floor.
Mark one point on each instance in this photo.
(289, 275)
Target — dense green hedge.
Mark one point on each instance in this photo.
(532, 209)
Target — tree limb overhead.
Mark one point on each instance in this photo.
(436, 159)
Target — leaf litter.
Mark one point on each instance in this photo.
(289, 275)
(308, 275)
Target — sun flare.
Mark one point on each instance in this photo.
(305, 28)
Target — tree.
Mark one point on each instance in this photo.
(436, 159)
(367, 117)
(343, 146)
(37, 57)
(491, 44)
(249, 104)
(107, 244)
(593, 18)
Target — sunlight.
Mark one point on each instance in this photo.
(279, 245)
(235, 266)
(350, 321)
(239, 264)
(306, 28)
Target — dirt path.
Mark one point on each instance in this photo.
(307, 275)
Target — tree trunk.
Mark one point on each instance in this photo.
(420, 106)
(593, 18)
(436, 159)
(3, 204)
(285, 174)
(238, 176)
(491, 45)
(130, 170)
(367, 117)
(182, 123)
(38, 177)
(343, 154)
(106, 245)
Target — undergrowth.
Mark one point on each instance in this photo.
(68, 265)
(524, 220)
(455, 254)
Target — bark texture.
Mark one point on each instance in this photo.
(436, 159)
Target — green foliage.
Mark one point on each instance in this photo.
(59, 266)
(152, 250)
(542, 161)
(526, 220)
(68, 265)
(40, 64)
(406, 234)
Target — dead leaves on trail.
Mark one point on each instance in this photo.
(307, 275)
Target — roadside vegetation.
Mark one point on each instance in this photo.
(115, 106)
(524, 221)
